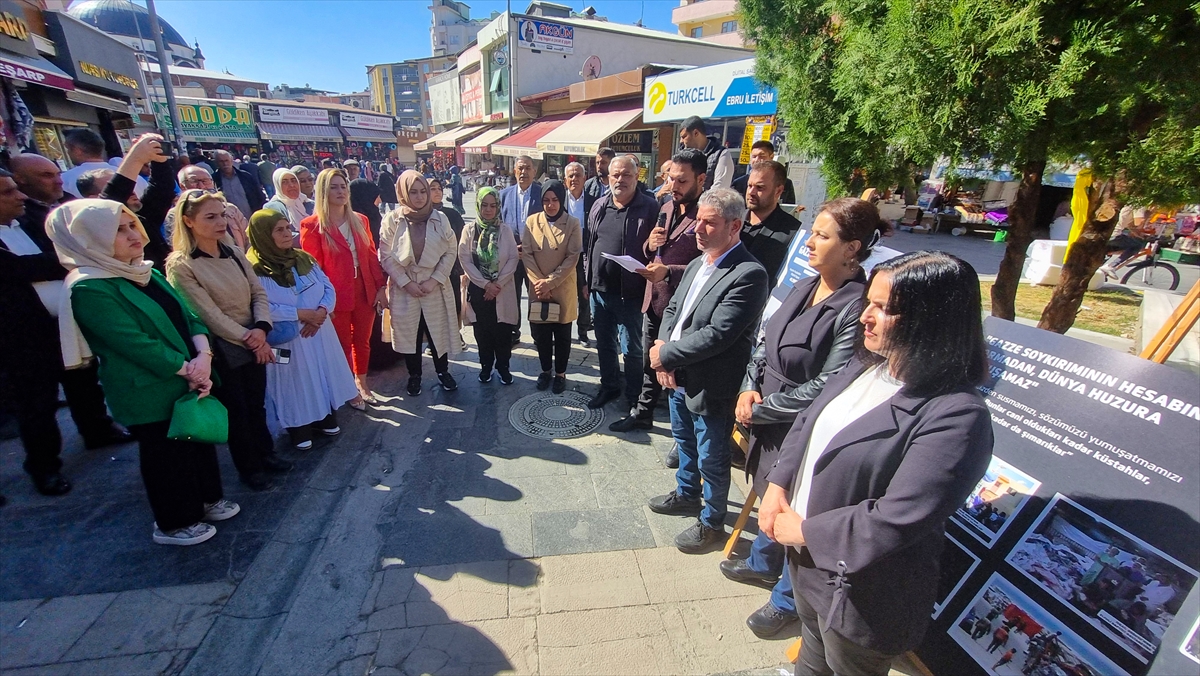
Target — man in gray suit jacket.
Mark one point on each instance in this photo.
(703, 347)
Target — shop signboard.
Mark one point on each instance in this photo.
(545, 36)
(363, 121)
(445, 101)
(472, 97)
(635, 142)
(14, 30)
(757, 129)
(1082, 534)
(96, 61)
(293, 115)
(723, 90)
(210, 121)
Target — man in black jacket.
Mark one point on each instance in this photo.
(239, 187)
(41, 181)
(156, 202)
(704, 344)
(30, 357)
(620, 222)
(764, 151)
(597, 186)
(386, 182)
(768, 230)
(694, 134)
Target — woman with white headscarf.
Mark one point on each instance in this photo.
(289, 200)
(152, 350)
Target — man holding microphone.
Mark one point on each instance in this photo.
(670, 247)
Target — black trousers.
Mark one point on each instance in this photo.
(180, 476)
(584, 323)
(651, 390)
(441, 362)
(383, 357)
(34, 400)
(493, 337)
(553, 343)
(243, 391)
(519, 282)
(824, 652)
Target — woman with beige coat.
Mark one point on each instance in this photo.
(488, 255)
(550, 249)
(417, 249)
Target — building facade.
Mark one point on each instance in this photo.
(710, 20)
(452, 28)
(402, 89)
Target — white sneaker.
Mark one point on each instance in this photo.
(330, 431)
(1108, 271)
(192, 535)
(221, 510)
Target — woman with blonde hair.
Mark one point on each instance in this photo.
(212, 273)
(418, 250)
(152, 351)
(338, 238)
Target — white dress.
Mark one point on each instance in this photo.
(317, 380)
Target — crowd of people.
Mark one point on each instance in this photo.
(866, 431)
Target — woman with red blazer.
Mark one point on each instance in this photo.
(341, 242)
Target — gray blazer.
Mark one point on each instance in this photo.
(710, 357)
(880, 497)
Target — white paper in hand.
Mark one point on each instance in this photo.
(628, 262)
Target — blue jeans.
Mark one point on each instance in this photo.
(767, 556)
(703, 452)
(618, 325)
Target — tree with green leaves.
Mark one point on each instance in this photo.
(1114, 85)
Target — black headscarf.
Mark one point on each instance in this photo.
(560, 191)
(362, 200)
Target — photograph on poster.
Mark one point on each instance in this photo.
(1191, 644)
(1001, 493)
(1006, 633)
(956, 566)
(1122, 586)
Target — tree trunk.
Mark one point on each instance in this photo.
(1020, 233)
(1085, 256)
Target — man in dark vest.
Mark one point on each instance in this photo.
(694, 134)
(768, 230)
(763, 151)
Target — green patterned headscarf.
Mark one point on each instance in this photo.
(487, 243)
(267, 258)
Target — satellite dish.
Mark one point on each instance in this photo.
(591, 68)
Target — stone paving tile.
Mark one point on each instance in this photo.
(147, 621)
(626, 489)
(588, 581)
(674, 577)
(629, 640)
(546, 494)
(593, 530)
(149, 664)
(44, 633)
(710, 636)
(458, 593)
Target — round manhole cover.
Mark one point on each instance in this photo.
(555, 416)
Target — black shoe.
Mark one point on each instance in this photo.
(516, 338)
(543, 381)
(739, 571)
(51, 484)
(414, 386)
(700, 538)
(674, 504)
(506, 378)
(328, 426)
(584, 340)
(769, 621)
(559, 385)
(672, 460)
(275, 464)
(301, 438)
(113, 436)
(448, 382)
(485, 376)
(603, 397)
(257, 481)
(632, 422)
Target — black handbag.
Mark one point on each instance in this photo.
(230, 355)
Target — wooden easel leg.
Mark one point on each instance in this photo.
(793, 651)
(740, 524)
(1175, 329)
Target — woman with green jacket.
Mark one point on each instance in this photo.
(152, 351)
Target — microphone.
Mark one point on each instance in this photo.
(662, 223)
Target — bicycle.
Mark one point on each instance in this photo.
(1156, 273)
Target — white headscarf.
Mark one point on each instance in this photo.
(296, 211)
(83, 232)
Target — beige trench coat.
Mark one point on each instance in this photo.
(396, 256)
(506, 302)
(550, 252)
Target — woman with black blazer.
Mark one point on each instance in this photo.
(808, 339)
(868, 475)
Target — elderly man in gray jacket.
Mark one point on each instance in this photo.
(704, 344)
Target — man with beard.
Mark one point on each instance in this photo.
(597, 186)
(769, 229)
(763, 151)
(694, 134)
(670, 247)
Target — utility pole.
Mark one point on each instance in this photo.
(175, 133)
(512, 65)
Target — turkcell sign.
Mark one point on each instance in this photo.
(723, 90)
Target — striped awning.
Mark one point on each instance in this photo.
(279, 131)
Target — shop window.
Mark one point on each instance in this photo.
(698, 32)
(224, 92)
(497, 83)
(193, 83)
(453, 41)
(729, 27)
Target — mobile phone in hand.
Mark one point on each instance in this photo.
(282, 356)
(165, 147)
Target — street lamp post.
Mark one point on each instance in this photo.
(165, 72)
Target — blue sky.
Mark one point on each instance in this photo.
(328, 43)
